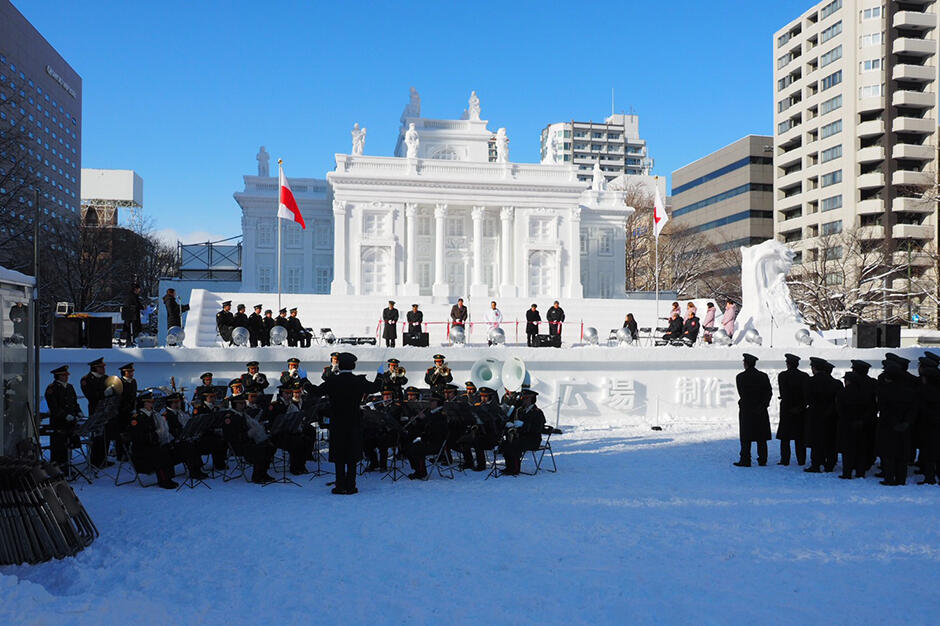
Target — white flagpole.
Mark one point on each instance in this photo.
(656, 321)
(278, 217)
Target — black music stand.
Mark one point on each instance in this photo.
(196, 427)
(94, 427)
(312, 408)
(286, 423)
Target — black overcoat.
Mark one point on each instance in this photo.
(531, 317)
(821, 415)
(390, 317)
(792, 387)
(345, 391)
(754, 397)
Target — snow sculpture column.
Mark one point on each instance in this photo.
(506, 288)
(478, 288)
(574, 253)
(412, 288)
(340, 284)
(440, 288)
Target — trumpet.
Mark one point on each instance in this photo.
(398, 372)
(442, 370)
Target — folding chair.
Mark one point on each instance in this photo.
(645, 335)
(538, 455)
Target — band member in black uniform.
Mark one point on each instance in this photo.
(289, 400)
(394, 378)
(150, 440)
(93, 388)
(532, 319)
(248, 438)
(255, 327)
(390, 324)
(414, 319)
(792, 385)
(225, 322)
(209, 442)
(63, 416)
(754, 393)
(126, 407)
(470, 393)
(267, 324)
(438, 375)
(380, 426)
(555, 317)
(235, 388)
(897, 410)
(332, 368)
(345, 391)
(424, 434)
(293, 375)
(206, 386)
(482, 434)
(296, 331)
(253, 379)
(450, 392)
(523, 433)
(821, 416)
(929, 415)
(241, 320)
(412, 394)
(281, 320)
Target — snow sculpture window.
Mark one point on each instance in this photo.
(295, 279)
(265, 278)
(489, 228)
(424, 226)
(455, 277)
(541, 274)
(265, 233)
(323, 277)
(445, 153)
(584, 241)
(541, 228)
(455, 227)
(374, 271)
(323, 233)
(424, 275)
(605, 245)
(293, 235)
(373, 225)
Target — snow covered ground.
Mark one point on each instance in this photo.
(637, 526)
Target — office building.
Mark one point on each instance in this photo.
(615, 144)
(855, 121)
(727, 196)
(41, 106)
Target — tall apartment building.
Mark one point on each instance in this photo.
(40, 104)
(727, 196)
(855, 84)
(615, 144)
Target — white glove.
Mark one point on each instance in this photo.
(416, 440)
(509, 424)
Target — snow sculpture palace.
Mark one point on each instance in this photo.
(448, 215)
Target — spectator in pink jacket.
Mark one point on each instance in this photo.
(727, 320)
(708, 322)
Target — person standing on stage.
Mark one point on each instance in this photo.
(255, 327)
(555, 317)
(414, 318)
(792, 386)
(345, 391)
(532, 320)
(390, 324)
(63, 415)
(173, 312)
(458, 314)
(754, 394)
(494, 317)
(130, 315)
(225, 322)
(268, 323)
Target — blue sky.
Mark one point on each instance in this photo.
(185, 92)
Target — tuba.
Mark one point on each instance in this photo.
(514, 374)
(486, 373)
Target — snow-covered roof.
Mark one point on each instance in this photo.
(17, 278)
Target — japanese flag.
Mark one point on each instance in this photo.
(286, 205)
(659, 214)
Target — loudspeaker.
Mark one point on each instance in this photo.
(98, 332)
(420, 340)
(67, 332)
(865, 335)
(544, 341)
(556, 341)
(890, 336)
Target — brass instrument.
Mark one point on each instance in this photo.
(398, 372)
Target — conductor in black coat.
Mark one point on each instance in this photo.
(821, 416)
(345, 391)
(63, 415)
(255, 327)
(754, 394)
(390, 326)
(792, 386)
(532, 319)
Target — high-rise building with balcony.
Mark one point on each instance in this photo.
(855, 126)
(615, 144)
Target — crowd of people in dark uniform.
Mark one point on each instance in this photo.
(259, 326)
(376, 422)
(893, 419)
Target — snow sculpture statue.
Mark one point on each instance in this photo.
(358, 139)
(473, 110)
(411, 141)
(598, 182)
(263, 157)
(766, 304)
(502, 146)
